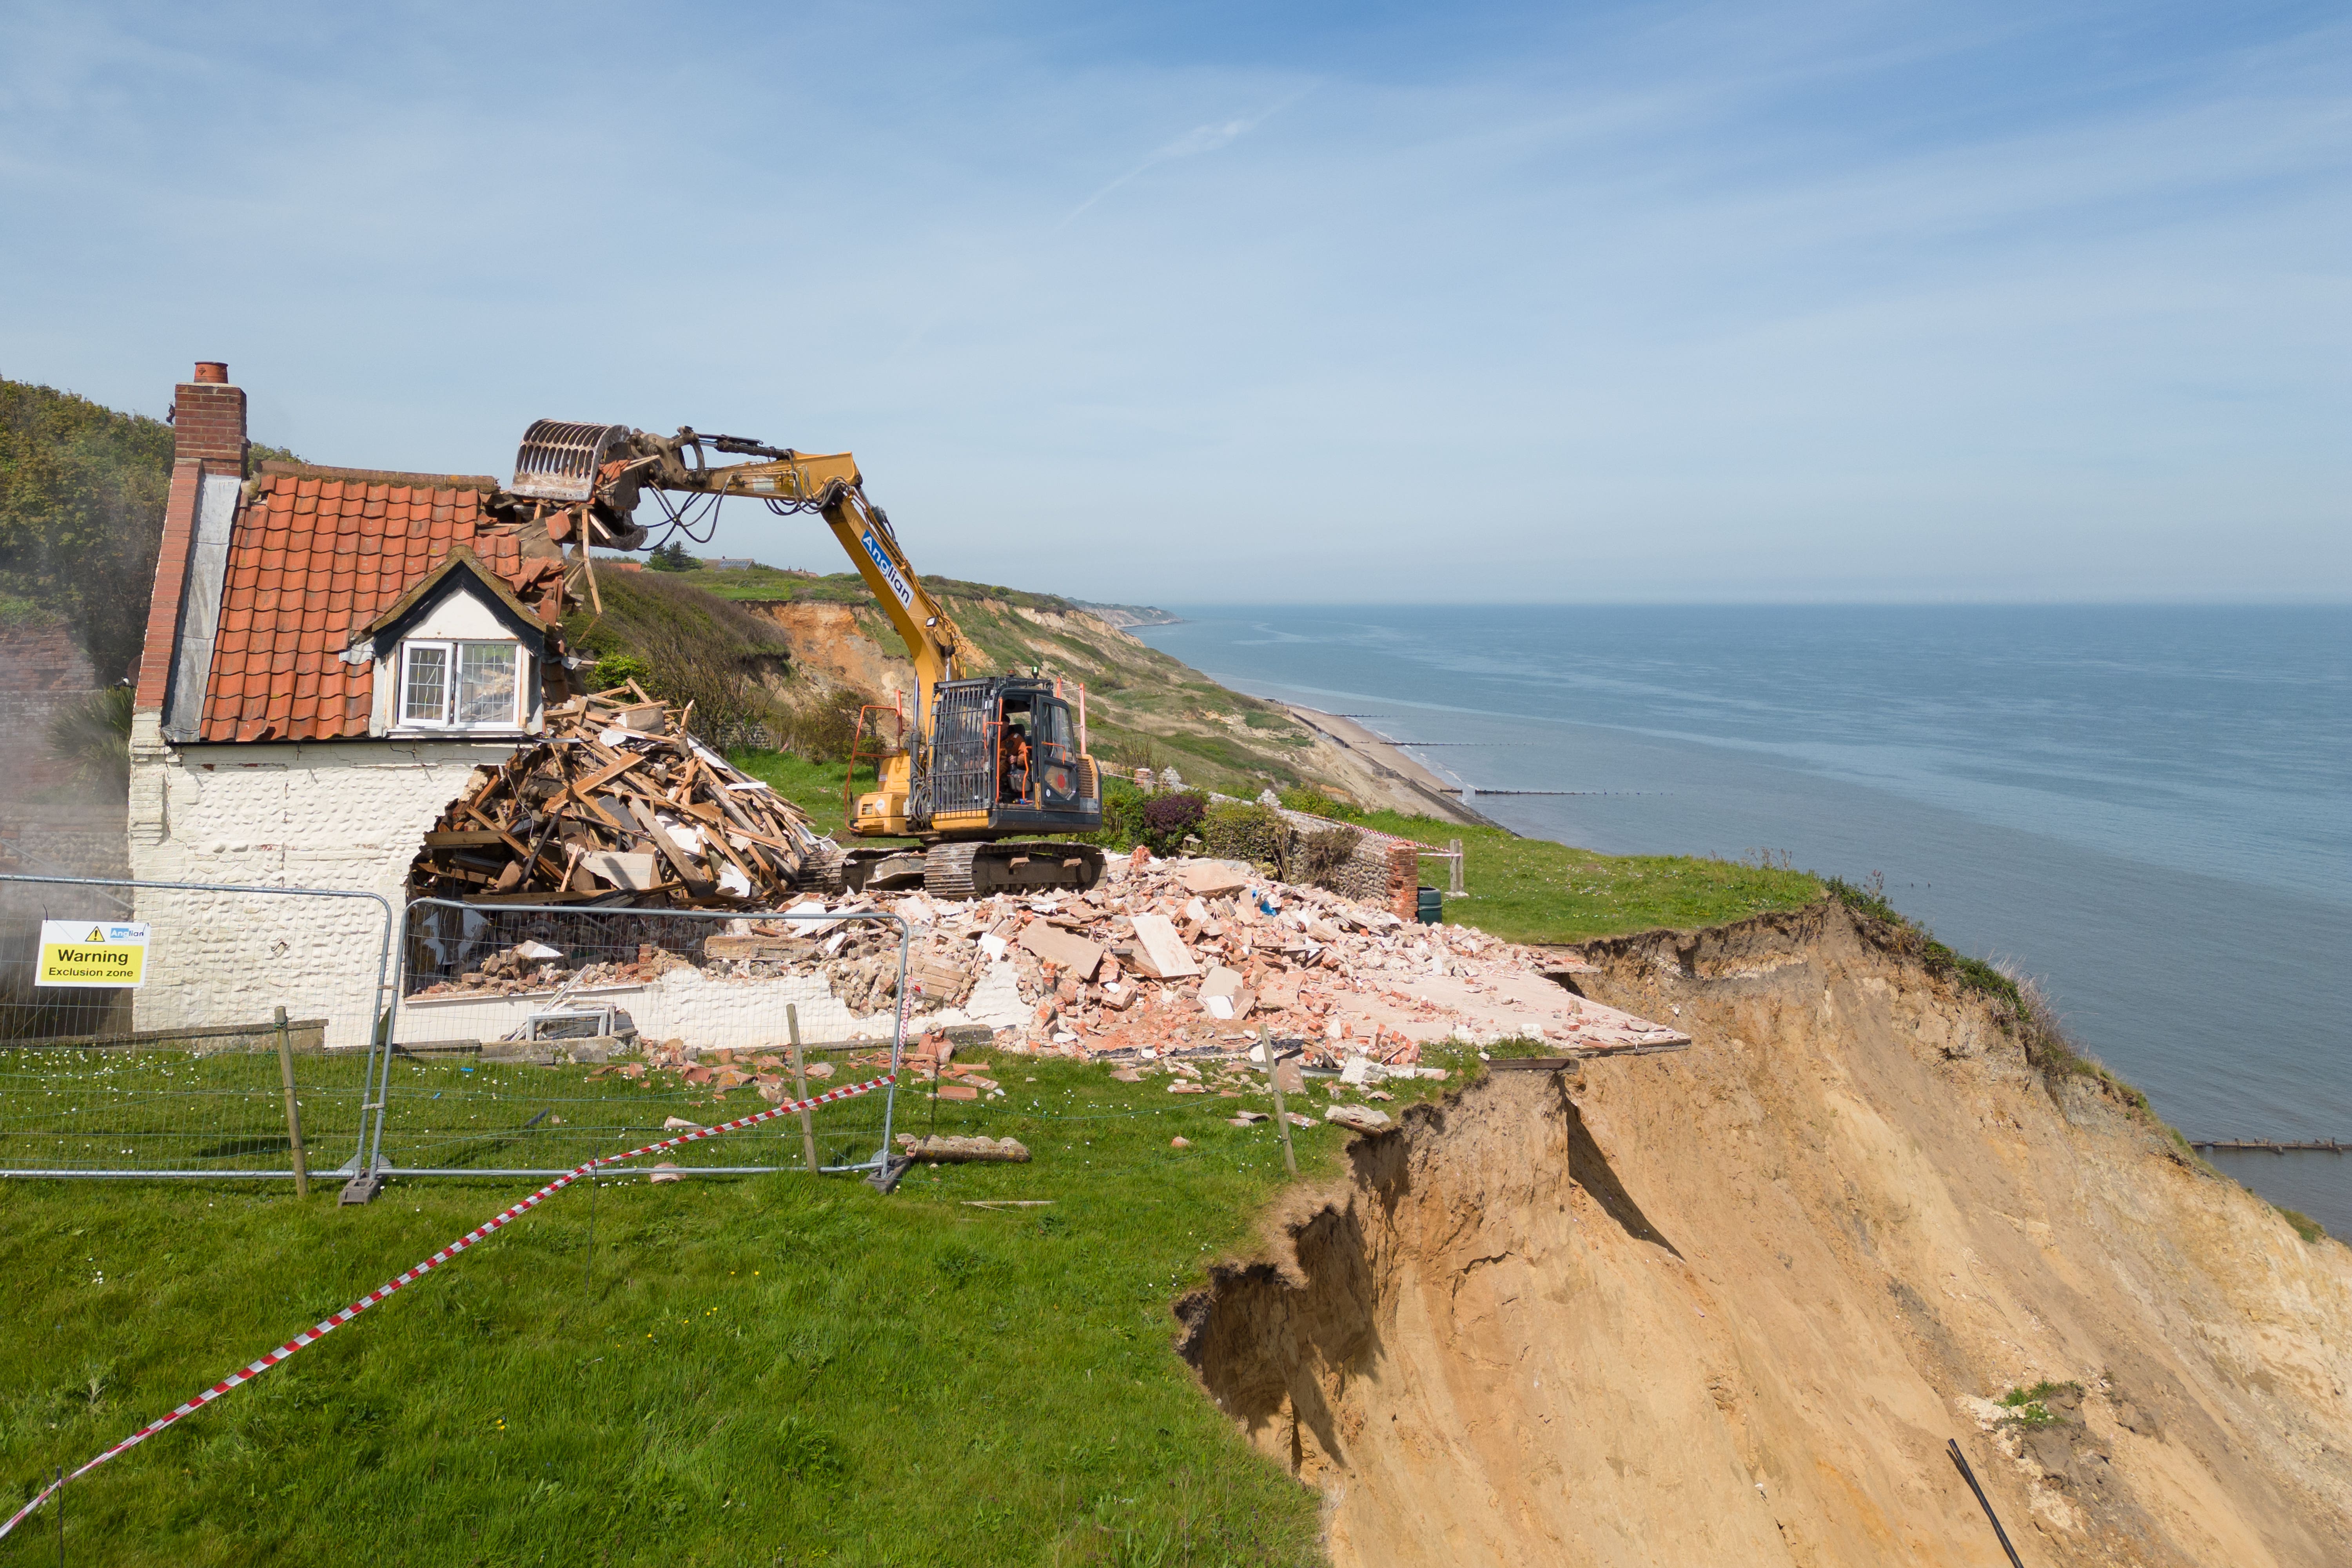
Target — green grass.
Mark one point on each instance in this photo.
(2026, 1405)
(815, 787)
(2304, 1226)
(1532, 889)
(778, 1369)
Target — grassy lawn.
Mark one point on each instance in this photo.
(766, 1370)
(1532, 889)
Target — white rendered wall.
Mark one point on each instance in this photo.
(331, 814)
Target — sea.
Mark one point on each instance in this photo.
(2147, 809)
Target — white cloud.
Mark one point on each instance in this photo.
(1716, 302)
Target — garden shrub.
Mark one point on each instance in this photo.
(1323, 858)
(1122, 806)
(1170, 818)
(1315, 803)
(1256, 834)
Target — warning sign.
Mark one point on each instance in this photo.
(93, 952)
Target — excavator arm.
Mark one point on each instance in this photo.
(957, 783)
(606, 469)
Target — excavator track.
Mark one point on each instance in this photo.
(979, 870)
(822, 872)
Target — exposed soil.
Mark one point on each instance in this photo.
(1727, 1307)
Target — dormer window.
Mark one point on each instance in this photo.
(461, 685)
(456, 655)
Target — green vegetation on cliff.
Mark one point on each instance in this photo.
(1144, 709)
(683, 645)
(81, 514)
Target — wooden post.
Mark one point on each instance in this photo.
(1281, 1111)
(1455, 887)
(293, 1113)
(800, 1086)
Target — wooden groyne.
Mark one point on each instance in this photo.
(2273, 1145)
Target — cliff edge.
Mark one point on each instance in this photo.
(1728, 1306)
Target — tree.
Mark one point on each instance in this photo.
(81, 514)
(671, 557)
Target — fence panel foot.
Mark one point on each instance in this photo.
(360, 1189)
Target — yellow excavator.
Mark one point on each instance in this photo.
(981, 761)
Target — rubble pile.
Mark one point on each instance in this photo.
(1160, 965)
(621, 799)
(1197, 956)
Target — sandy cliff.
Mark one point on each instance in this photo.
(1727, 1307)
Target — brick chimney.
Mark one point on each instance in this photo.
(209, 418)
(208, 451)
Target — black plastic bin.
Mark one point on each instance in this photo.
(1431, 910)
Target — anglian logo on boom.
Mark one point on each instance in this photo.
(890, 572)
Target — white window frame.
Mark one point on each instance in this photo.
(452, 659)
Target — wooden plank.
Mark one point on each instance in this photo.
(462, 839)
(635, 872)
(605, 776)
(508, 839)
(696, 881)
(603, 816)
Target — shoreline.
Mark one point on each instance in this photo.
(1384, 758)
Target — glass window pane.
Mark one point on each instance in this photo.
(486, 683)
(427, 688)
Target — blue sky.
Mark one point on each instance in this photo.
(1649, 302)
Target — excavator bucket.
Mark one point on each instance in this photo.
(558, 461)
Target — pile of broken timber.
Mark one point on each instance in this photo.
(621, 804)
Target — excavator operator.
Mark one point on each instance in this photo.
(1013, 757)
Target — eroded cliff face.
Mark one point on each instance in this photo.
(1727, 1307)
(829, 641)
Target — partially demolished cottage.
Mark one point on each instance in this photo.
(330, 654)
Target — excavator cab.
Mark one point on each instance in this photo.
(1005, 757)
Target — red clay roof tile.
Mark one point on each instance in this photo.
(310, 560)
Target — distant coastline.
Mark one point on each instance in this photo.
(1445, 799)
(1127, 618)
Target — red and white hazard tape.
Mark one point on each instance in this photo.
(317, 1332)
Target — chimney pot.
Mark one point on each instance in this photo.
(212, 371)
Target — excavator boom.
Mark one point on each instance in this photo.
(609, 467)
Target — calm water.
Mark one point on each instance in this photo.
(2150, 808)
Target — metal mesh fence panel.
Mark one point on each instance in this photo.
(151, 1029)
(529, 1040)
